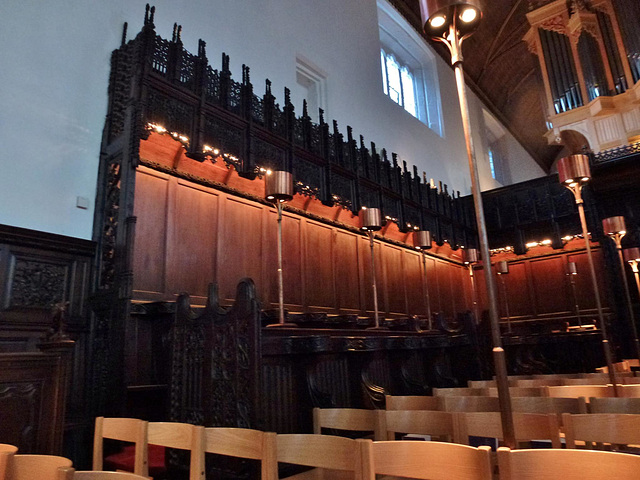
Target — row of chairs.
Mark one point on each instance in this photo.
(623, 375)
(518, 404)
(565, 391)
(459, 427)
(362, 459)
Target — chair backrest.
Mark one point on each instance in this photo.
(575, 391)
(469, 404)
(102, 475)
(629, 391)
(614, 405)
(516, 391)
(244, 443)
(423, 422)
(6, 453)
(411, 402)
(548, 405)
(183, 436)
(533, 464)
(457, 391)
(481, 383)
(131, 430)
(527, 426)
(539, 382)
(39, 467)
(321, 451)
(426, 460)
(592, 380)
(614, 428)
(350, 419)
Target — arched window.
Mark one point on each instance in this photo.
(398, 82)
(408, 69)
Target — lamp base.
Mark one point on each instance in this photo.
(281, 325)
(377, 328)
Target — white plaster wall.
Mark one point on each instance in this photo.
(55, 68)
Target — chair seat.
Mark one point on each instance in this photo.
(124, 460)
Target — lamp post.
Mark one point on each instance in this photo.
(422, 241)
(502, 269)
(451, 22)
(469, 257)
(615, 228)
(279, 189)
(573, 173)
(572, 271)
(372, 222)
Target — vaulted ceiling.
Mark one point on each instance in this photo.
(502, 71)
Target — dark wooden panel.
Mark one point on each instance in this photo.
(151, 228)
(519, 295)
(192, 233)
(414, 282)
(347, 280)
(584, 285)
(394, 280)
(32, 401)
(550, 285)
(446, 289)
(239, 246)
(433, 285)
(292, 260)
(319, 272)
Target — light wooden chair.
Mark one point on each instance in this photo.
(6, 453)
(575, 391)
(469, 404)
(426, 460)
(567, 464)
(350, 419)
(329, 456)
(39, 467)
(244, 443)
(516, 392)
(614, 405)
(528, 426)
(102, 475)
(457, 391)
(601, 428)
(411, 402)
(422, 422)
(182, 436)
(131, 430)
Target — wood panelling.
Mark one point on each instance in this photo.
(550, 285)
(395, 298)
(348, 280)
(151, 230)
(191, 245)
(240, 249)
(214, 236)
(319, 272)
(414, 282)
